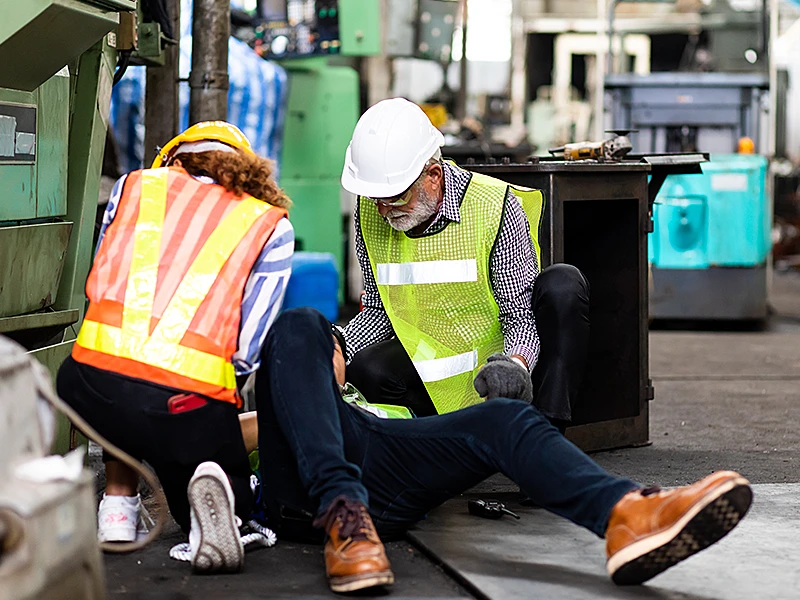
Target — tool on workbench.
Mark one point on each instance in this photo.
(489, 509)
(611, 149)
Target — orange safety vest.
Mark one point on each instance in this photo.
(165, 286)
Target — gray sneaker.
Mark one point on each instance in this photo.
(214, 537)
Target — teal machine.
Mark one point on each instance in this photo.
(710, 245)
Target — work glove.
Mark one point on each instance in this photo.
(503, 377)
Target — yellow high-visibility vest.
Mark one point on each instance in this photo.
(437, 291)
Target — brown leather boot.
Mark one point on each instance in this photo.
(651, 530)
(354, 555)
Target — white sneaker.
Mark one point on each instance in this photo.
(214, 540)
(117, 517)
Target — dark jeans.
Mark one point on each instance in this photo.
(132, 414)
(315, 447)
(385, 374)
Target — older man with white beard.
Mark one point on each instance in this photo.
(455, 309)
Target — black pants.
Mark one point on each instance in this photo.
(132, 414)
(385, 374)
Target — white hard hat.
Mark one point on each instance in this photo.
(391, 143)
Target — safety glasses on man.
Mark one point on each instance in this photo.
(405, 197)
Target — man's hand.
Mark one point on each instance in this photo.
(503, 377)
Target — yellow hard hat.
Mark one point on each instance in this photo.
(218, 131)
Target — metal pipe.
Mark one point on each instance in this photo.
(599, 94)
(612, 9)
(461, 99)
(519, 45)
(774, 31)
(161, 104)
(208, 80)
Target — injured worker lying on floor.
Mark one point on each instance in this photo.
(351, 473)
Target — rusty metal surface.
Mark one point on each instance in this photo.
(31, 261)
(39, 320)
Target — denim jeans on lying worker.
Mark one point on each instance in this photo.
(314, 447)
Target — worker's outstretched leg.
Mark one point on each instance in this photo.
(307, 451)
(561, 310)
(412, 466)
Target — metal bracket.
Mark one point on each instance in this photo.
(649, 391)
(209, 80)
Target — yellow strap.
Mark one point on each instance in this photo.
(205, 269)
(141, 289)
(191, 363)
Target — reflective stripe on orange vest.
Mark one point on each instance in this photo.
(162, 348)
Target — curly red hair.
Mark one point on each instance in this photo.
(237, 172)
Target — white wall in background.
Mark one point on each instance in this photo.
(787, 56)
(488, 53)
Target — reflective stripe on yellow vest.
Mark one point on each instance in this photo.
(162, 348)
(437, 292)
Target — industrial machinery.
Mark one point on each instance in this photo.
(316, 42)
(54, 90)
(323, 106)
(48, 541)
(605, 150)
(710, 246)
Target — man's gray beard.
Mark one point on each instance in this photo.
(426, 207)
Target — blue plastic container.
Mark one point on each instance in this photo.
(315, 283)
(718, 219)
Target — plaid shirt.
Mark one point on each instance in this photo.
(512, 271)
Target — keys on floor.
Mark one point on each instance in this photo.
(489, 509)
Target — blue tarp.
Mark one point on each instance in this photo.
(256, 99)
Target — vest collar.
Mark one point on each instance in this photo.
(455, 186)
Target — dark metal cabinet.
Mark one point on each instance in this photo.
(597, 217)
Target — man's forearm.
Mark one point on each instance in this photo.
(370, 326)
(520, 339)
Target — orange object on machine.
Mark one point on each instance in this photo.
(746, 146)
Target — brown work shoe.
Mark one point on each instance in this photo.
(354, 555)
(651, 530)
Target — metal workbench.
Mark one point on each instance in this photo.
(596, 217)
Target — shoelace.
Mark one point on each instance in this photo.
(649, 491)
(260, 535)
(356, 524)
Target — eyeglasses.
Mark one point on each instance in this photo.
(399, 200)
(405, 197)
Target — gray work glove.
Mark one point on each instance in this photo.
(502, 377)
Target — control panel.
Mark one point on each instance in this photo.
(320, 28)
(311, 28)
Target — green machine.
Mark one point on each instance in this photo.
(55, 88)
(315, 47)
(322, 112)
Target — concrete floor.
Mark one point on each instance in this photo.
(725, 399)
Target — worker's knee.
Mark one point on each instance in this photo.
(501, 412)
(563, 286)
(305, 327)
(301, 319)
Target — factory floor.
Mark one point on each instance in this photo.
(726, 398)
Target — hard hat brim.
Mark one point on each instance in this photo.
(375, 190)
(381, 189)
